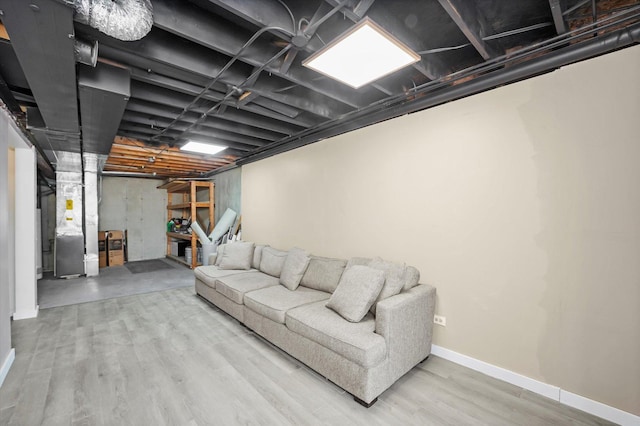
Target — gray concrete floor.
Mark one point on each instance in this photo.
(115, 281)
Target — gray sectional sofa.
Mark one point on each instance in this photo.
(361, 323)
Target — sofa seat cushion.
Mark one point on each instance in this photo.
(274, 302)
(356, 342)
(234, 287)
(209, 274)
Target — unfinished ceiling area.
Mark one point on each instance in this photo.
(229, 72)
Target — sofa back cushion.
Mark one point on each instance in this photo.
(323, 273)
(257, 256)
(272, 261)
(357, 291)
(393, 278)
(294, 268)
(364, 261)
(237, 255)
(411, 278)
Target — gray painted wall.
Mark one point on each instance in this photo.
(5, 283)
(139, 207)
(228, 187)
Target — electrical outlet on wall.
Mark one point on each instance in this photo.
(440, 320)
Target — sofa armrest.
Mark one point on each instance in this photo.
(406, 323)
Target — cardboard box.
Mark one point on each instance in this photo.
(115, 248)
(102, 249)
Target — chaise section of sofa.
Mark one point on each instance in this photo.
(289, 298)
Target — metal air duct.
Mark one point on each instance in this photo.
(85, 52)
(125, 20)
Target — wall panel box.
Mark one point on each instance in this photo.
(116, 248)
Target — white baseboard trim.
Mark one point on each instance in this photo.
(32, 313)
(6, 365)
(598, 409)
(500, 373)
(564, 397)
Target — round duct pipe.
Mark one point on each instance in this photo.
(126, 20)
(86, 52)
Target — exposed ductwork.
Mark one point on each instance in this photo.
(85, 52)
(125, 20)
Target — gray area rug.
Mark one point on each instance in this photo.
(143, 266)
(115, 281)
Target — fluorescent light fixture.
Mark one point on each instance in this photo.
(361, 55)
(203, 148)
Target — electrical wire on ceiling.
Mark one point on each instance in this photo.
(253, 75)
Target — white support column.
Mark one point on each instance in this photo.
(26, 293)
(92, 261)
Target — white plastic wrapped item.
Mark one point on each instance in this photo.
(226, 221)
(126, 20)
(202, 236)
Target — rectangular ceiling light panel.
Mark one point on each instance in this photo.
(203, 148)
(361, 55)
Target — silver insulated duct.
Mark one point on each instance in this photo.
(126, 20)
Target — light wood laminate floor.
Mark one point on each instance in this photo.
(170, 358)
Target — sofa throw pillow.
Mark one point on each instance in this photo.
(219, 252)
(237, 255)
(293, 268)
(257, 256)
(323, 273)
(393, 279)
(358, 289)
(272, 261)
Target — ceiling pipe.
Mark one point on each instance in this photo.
(574, 53)
(85, 52)
(126, 20)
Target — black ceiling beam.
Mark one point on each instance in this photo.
(153, 120)
(155, 110)
(263, 106)
(160, 51)
(471, 22)
(177, 100)
(558, 17)
(216, 33)
(177, 134)
(355, 14)
(172, 142)
(265, 13)
(362, 7)
(268, 13)
(8, 98)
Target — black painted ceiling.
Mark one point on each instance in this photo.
(196, 75)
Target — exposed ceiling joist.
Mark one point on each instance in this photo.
(262, 106)
(219, 35)
(194, 78)
(558, 18)
(471, 22)
(266, 13)
(8, 98)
